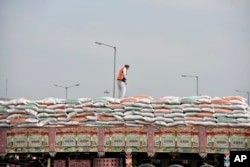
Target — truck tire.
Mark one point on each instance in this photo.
(206, 165)
(175, 165)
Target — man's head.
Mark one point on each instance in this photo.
(127, 66)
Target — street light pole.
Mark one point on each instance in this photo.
(66, 88)
(6, 90)
(197, 82)
(99, 43)
(247, 92)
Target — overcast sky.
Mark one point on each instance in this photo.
(47, 42)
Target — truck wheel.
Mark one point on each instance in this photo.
(146, 165)
(175, 165)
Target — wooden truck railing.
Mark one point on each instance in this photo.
(150, 139)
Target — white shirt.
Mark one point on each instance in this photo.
(125, 72)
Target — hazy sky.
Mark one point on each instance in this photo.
(47, 42)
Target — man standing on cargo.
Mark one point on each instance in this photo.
(121, 81)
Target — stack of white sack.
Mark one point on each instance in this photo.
(130, 111)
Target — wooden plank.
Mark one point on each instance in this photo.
(202, 139)
(151, 136)
(101, 139)
(52, 139)
(3, 139)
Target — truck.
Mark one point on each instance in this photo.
(138, 131)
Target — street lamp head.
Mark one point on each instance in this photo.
(99, 43)
(77, 84)
(243, 91)
(194, 76)
(106, 91)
